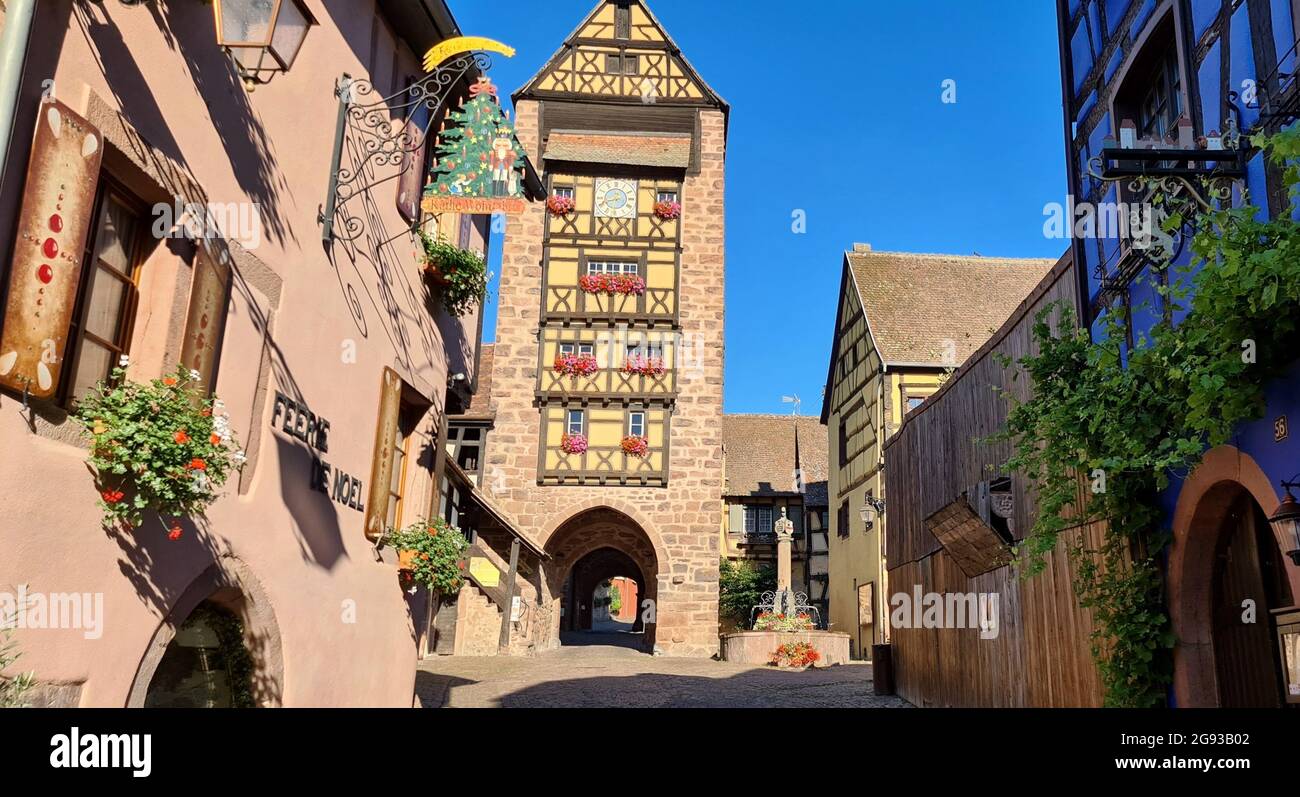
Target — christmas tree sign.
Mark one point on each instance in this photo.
(480, 166)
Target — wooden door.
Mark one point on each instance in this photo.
(1248, 568)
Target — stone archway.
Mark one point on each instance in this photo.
(230, 586)
(592, 546)
(1227, 488)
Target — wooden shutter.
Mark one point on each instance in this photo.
(205, 321)
(736, 522)
(58, 202)
(381, 469)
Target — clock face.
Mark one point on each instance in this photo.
(616, 199)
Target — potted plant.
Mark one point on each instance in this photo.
(573, 443)
(431, 553)
(635, 446)
(795, 655)
(768, 621)
(576, 365)
(461, 274)
(158, 446)
(668, 210)
(560, 206)
(626, 284)
(646, 366)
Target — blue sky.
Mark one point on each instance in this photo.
(837, 111)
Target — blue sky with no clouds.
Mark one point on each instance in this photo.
(837, 111)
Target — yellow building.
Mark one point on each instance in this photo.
(904, 322)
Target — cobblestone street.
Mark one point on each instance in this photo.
(595, 675)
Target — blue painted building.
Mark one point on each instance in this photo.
(1188, 74)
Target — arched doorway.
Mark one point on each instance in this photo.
(1249, 582)
(206, 665)
(1226, 574)
(220, 630)
(589, 553)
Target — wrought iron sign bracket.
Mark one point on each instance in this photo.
(378, 140)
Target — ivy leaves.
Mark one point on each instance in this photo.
(1137, 415)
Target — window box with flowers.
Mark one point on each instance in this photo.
(158, 446)
(573, 443)
(636, 446)
(430, 553)
(668, 210)
(624, 284)
(559, 205)
(576, 365)
(460, 274)
(646, 366)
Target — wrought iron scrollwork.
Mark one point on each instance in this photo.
(378, 138)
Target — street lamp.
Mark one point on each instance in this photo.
(1286, 520)
(262, 36)
(870, 510)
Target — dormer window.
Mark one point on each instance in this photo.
(622, 22)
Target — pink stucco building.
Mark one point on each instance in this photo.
(294, 333)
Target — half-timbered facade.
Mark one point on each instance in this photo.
(608, 361)
(899, 330)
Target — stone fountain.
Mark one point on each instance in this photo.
(757, 647)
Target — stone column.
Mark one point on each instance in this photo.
(784, 602)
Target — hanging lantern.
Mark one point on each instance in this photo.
(263, 37)
(1286, 522)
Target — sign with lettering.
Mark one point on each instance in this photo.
(294, 419)
(1281, 429)
(480, 166)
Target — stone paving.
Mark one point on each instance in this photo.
(611, 675)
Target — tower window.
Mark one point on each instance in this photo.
(622, 22)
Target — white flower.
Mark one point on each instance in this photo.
(239, 458)
(195, 376)
(218, 403)
(123, 361)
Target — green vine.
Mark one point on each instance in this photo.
(1107, 426)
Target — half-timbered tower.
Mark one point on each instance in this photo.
(608, 367)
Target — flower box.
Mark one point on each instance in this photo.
(560, 206)
(636, 446)
(430, 553)
(668, 210)
(646, 366)
(625, 284)
(576, 365)
(767, 621)
(573, 443)
(461, 275)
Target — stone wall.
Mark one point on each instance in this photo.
(680, 521)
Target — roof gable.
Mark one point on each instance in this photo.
(650, 66)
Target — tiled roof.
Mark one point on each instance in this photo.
(636, 149)
(917, 303)
(762, 453)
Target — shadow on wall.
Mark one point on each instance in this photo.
(187, 28)
(315, 514)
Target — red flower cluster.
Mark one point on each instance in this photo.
(175, 533)
(646, 366)
(668, 210)
(576, 365)
(112, 496)
(795, 654)
(560, 205)
(625, 284)
(181, 437)
(636, 446)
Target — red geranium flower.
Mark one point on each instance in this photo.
(197, 464)
(215, 439)
(169, 381)
(175, 533)
(112, 496)
(181, 436)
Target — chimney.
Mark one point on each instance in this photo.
(862, 247)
